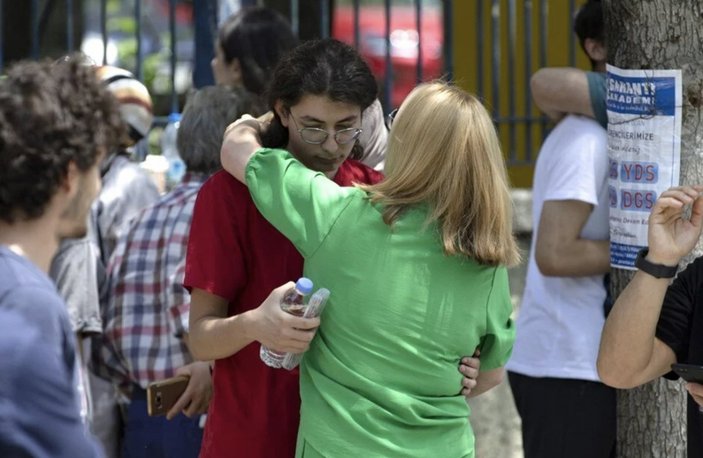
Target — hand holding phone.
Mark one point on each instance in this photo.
(692, 373)
(162, 395)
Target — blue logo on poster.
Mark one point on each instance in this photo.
(653, 96)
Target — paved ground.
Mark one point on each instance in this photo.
(494, 418)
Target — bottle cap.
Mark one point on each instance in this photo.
(304, 285)
(174, 117)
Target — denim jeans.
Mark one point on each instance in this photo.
(156, 437)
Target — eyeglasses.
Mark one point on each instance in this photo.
(390, 118)
(316, 136)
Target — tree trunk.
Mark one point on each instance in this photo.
(659, 34)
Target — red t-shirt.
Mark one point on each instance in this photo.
(234, 253)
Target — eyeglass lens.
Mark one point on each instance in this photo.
(317, 136)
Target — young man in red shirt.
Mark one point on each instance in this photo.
(236, 257)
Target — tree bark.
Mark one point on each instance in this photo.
(659, 34)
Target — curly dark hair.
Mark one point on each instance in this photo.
(319, 67)
(51, 114)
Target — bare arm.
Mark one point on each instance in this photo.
(476, 382)
(630, 354)
(241, 140)
(214, 335)
(560, 251)
(560, 91)
(487, 380)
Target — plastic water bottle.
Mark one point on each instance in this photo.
(169, 149)
(314, 309)
(294, 303)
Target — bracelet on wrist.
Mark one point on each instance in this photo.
(653, 269)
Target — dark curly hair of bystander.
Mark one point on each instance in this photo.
(51, 114)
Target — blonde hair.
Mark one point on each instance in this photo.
(443, 151)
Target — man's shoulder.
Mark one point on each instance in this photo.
(123, 171)
(36, 299)
(222, 197)
(179, 199)
(580, 125)
(17, 273)
(222, 181)
(126, 180)
(572, 136)
(352, 171)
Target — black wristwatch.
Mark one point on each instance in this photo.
(655, 270)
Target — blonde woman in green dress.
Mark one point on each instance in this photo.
(417, 269)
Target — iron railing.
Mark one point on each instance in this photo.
(508, 42)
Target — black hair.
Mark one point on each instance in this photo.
(51, 115)
(319, 67)
(589, 23)
(257, 37)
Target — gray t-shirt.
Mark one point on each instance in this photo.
(126, 189)
(75, 272)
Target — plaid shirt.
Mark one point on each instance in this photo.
(147, 311)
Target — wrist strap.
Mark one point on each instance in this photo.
(655, 270)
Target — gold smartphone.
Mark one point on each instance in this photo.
(162, 395)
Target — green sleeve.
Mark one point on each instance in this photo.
(596, 92)
(497, 343)
(301, 203)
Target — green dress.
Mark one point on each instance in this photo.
(381, 377)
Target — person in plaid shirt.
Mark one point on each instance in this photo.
(146, 318)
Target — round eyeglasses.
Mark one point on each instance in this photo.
(316, 136)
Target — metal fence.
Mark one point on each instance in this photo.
(491, 47)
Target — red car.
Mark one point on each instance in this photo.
(404, 40)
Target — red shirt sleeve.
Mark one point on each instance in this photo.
(215, 258)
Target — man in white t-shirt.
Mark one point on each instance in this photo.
(566, 411)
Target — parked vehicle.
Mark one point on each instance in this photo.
(404, 41)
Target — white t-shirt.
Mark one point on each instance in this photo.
(560, 319)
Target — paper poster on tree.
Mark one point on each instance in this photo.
(644, 145)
